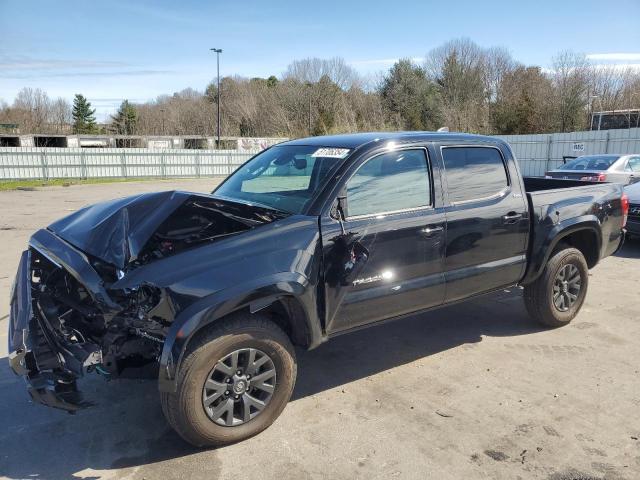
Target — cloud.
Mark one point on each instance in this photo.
(619, 57)
(24, 67)
(620, 67)
(99, 74)
(22, 62)
(616, 67)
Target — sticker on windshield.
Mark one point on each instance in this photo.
(331, 152)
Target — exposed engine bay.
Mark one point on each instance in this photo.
(75, 309)
(108, 343)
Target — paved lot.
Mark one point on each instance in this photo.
(471, 391)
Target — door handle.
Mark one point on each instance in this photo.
(431, 231)
(511, 217)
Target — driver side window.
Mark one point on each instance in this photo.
(390, 182)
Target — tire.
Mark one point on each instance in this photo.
(185, 409)
(539, 295)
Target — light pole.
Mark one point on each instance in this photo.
(218, 52)
(600, 115)
(309, 86)
(631, 108)
(590, 110)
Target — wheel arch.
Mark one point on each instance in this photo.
(288, 298)
(584, 234)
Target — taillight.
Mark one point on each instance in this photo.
(601, 177)
(624, 203)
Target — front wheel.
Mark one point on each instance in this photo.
(557, 295)
(233, 383)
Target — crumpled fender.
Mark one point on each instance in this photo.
(207, 310)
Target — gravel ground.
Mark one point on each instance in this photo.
(471, 391)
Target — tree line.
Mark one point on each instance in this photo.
(459, 84)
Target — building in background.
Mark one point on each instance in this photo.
(615, 119)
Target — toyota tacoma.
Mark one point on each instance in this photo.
(309, 239)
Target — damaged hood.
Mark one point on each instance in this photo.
(152, 225)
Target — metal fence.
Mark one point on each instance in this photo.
(535, 153)
(539, 153)
(17, 163)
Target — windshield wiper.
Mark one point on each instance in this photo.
(252, 204)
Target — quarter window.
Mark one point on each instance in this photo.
(474, 173)
(634, 164)
(390, 182)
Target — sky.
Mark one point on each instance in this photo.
(116, 49)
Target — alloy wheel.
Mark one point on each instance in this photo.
(566, 287)
(239, 387)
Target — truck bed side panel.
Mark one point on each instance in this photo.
(559, 212)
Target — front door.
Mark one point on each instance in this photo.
(386, 259)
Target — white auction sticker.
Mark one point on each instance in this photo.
(331, 152)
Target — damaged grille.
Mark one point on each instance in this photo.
(60, 315)
(72, 334)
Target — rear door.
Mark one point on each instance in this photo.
(388, 260)
(487, 220)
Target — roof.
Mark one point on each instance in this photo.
(355, 140)
(612, 112)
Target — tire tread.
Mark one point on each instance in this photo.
(173, 403)
(535, 295)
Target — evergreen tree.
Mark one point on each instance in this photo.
(84, 120)
(124, 121)
(409, 95)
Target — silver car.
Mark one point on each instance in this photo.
(623, 169)
(633, 221)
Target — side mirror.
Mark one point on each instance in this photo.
(339, 211)
(341, 207)
(300, 163)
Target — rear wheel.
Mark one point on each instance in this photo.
(233, 383)
(557, 295)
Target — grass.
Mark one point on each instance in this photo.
(64, 182)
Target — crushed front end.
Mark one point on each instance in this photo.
(64, 323)
(94, 293)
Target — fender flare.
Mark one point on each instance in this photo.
(264, 290)
(540, 253)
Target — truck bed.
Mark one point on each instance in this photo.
(537, 184)
(556, 205)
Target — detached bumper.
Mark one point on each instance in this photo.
(34, 352)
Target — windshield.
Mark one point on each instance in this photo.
(285, 177)
(590, 163)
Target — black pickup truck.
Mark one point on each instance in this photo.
(309, 239)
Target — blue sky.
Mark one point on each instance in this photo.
(118, 49)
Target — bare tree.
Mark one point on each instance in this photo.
(570, 77)
(60, 115)
(461, 85)
(311, 70)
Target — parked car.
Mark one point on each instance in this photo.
(309, 239)
(624, 169)
(633, 223)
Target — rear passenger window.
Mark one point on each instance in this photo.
(634, 164)
(473, 173)
(390, 182)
